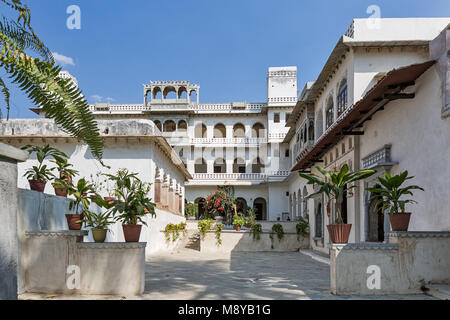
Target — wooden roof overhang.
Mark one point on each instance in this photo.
(388, 88)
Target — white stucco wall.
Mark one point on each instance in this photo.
(420, 141)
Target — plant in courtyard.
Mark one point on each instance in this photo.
(40, 174)
(132, 204)
(39, 78)
(389, 195)
(173, 230)
(238, 221)
(99, 223)
(219, 204)
(301, 228)
(190, 209)
(334, 184)
(65, 175)
(256, 231)
(218, 228)
(277, 229)
(250, 217)
(205, 225)
(83, 194)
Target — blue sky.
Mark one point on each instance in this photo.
(225, 46)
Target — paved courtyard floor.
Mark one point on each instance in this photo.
(188, 274)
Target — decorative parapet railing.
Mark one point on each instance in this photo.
(242, 141)
(364, 246)
(175, 104)
(291, 100)
(301, 148)
(239, 176)
(277, 136)
(378, 158)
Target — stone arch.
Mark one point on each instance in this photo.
(238, 130)
(239, 165)
(257, 165)
(258, 130)
(169, 126)
(260, 205)
(319, 123)
(200, 130)
(329, 112)
(157, 93)
(241, 205)
(169, 93)
(200, 166)
(182, 125)
(220, 131)
(375, 220)
(193, 95)
(319, 221)
(342, 97)
(182, 93)
(220, 165)
(158, 125)
(200, 205)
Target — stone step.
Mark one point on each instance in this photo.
(439, 291)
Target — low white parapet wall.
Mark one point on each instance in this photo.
(58, 262)
(242, 241)
(404, 265)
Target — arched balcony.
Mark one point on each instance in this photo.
(258, 130)
(220, 131)
(238, 130)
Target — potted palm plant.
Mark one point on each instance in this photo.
(133, 203)
(389, 194)
(65, 175)
(250, 218)
(334, 184)
(99, 223)
(83, 194)
(238, 221)
(39, 175)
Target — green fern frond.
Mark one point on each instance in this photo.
(59, 98)
(4, 89)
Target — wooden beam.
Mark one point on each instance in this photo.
(350, 133)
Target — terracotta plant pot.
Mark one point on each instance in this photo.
(339, 233)
(132, 232)
(237, 228)
(99, 235)
(37, 185)
(400, 221)
(72, 221)
(61, 192)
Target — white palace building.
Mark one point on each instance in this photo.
(382, 101)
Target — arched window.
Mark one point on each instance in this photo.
(220, 131)
(299, 204)
(169, 126)
(182, 125)
(257, 166)
(169, 93)
(329, 112)
(258, 131)
(200, 166)
(200, 130)
(342, 97)
(239, 165)
(305, 203)
(294, 206)
(220, 166)
(238, 130)
(158, 124)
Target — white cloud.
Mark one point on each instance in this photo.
(62, 59)
(109, 99)
(97, 98)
